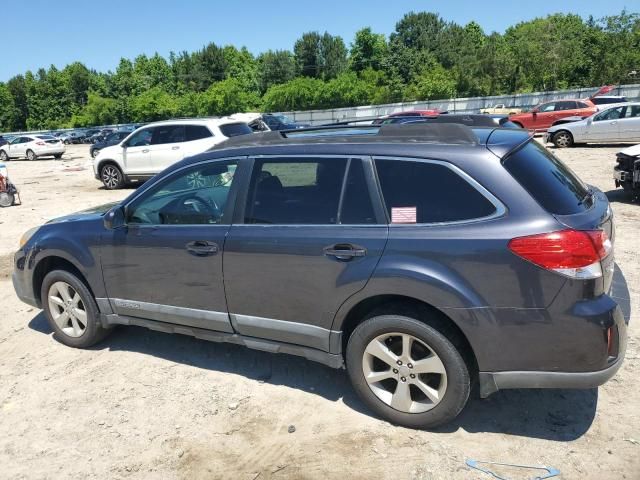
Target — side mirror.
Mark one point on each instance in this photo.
(115, 218)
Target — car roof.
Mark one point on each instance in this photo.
(217, 121)
(435, 141)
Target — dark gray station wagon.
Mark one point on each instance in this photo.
(421, 257)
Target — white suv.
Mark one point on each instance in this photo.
(154, 147)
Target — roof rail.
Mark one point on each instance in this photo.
(450, 133)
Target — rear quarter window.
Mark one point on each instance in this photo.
(549, 181)
(426, 192)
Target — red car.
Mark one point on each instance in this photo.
(546, 114)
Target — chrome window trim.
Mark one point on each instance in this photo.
(501, 209)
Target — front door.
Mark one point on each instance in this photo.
(136, 153)
(308, 240)
(17, 147)
(544, 117)
(166, 264)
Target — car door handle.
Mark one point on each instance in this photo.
(202, 248)
(175, 148)
(614, 122)
(345, 251)
(146, 150)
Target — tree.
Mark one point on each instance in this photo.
(7, 109)
(275, 67)
(368, 50)
(97, 111)
(297, 94)
(320, 56)
(434, 83)
(18, 90)
(152, 105)
(227, 97)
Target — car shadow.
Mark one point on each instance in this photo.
(620, 196)
(560, 415)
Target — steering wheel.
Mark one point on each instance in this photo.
(202, 206)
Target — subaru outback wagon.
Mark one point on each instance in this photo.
(423, 258)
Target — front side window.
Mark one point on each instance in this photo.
(611, 114)
(197, 196)
(141, 138)
(547, 107)
(426, 192)
(295, 191)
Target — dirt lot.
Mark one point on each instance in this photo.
(148, 405)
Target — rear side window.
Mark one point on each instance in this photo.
(197, 132)
(235, 129)
(425, 192)
(295, 191)
(547, 179)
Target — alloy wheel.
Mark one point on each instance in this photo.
(31, 156)
(110, 176)
(67, 309)
(563, 140)
(404, 372)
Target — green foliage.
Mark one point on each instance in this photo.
(227, 97)
(426, 57)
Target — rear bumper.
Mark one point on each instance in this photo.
(491, 382)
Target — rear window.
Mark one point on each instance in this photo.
(235, 129)
(547, 179)
(425, 192)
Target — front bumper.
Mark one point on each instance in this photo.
(23, 291)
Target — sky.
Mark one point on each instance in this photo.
(100, 33)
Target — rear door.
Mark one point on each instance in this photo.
(310, 236)
(629, 125)
(198, 139)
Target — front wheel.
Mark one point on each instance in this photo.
(111, 176)
(71, 310)
(407, 371)
(95, 152)
(562, 139)
(31, 155)
(57, 156)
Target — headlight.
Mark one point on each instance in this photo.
(27, 235)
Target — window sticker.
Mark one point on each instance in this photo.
(403, 215)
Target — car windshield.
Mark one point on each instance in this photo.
(283, 118)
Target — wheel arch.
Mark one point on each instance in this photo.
(51, 263)
(400, 304)
(108, 161)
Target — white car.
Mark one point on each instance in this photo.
(616, 123)
(31, 147)
(154, 147)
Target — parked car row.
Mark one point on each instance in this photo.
(32, 147)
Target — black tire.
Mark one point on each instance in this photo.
(31, 155)
(57, 156)
(562, 139)
(3, 156)
(66, 142)
(111, 176)
(95, 152)
(94, 332)
(458, 379)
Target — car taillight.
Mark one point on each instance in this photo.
(575, 253)
(40, 143)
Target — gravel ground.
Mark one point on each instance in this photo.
(149, 405)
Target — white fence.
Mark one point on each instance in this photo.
(454, 105)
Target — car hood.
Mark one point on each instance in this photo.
(88, 214)
(631, 151)
(573, 124)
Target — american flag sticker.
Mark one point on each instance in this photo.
(403, 215)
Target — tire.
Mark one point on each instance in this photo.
(6, 199)
(31, 155)
(562, 139)
(66, 142)
(111, 176)
(95, 153)
(57, 156)
(449, 389)
(3, 156)
(65, 317)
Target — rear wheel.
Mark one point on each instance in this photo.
(57, 156)
(111, 176)
(562, 139)
(3, 156)
(71, 310)
(407, 371)
(31, 155)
